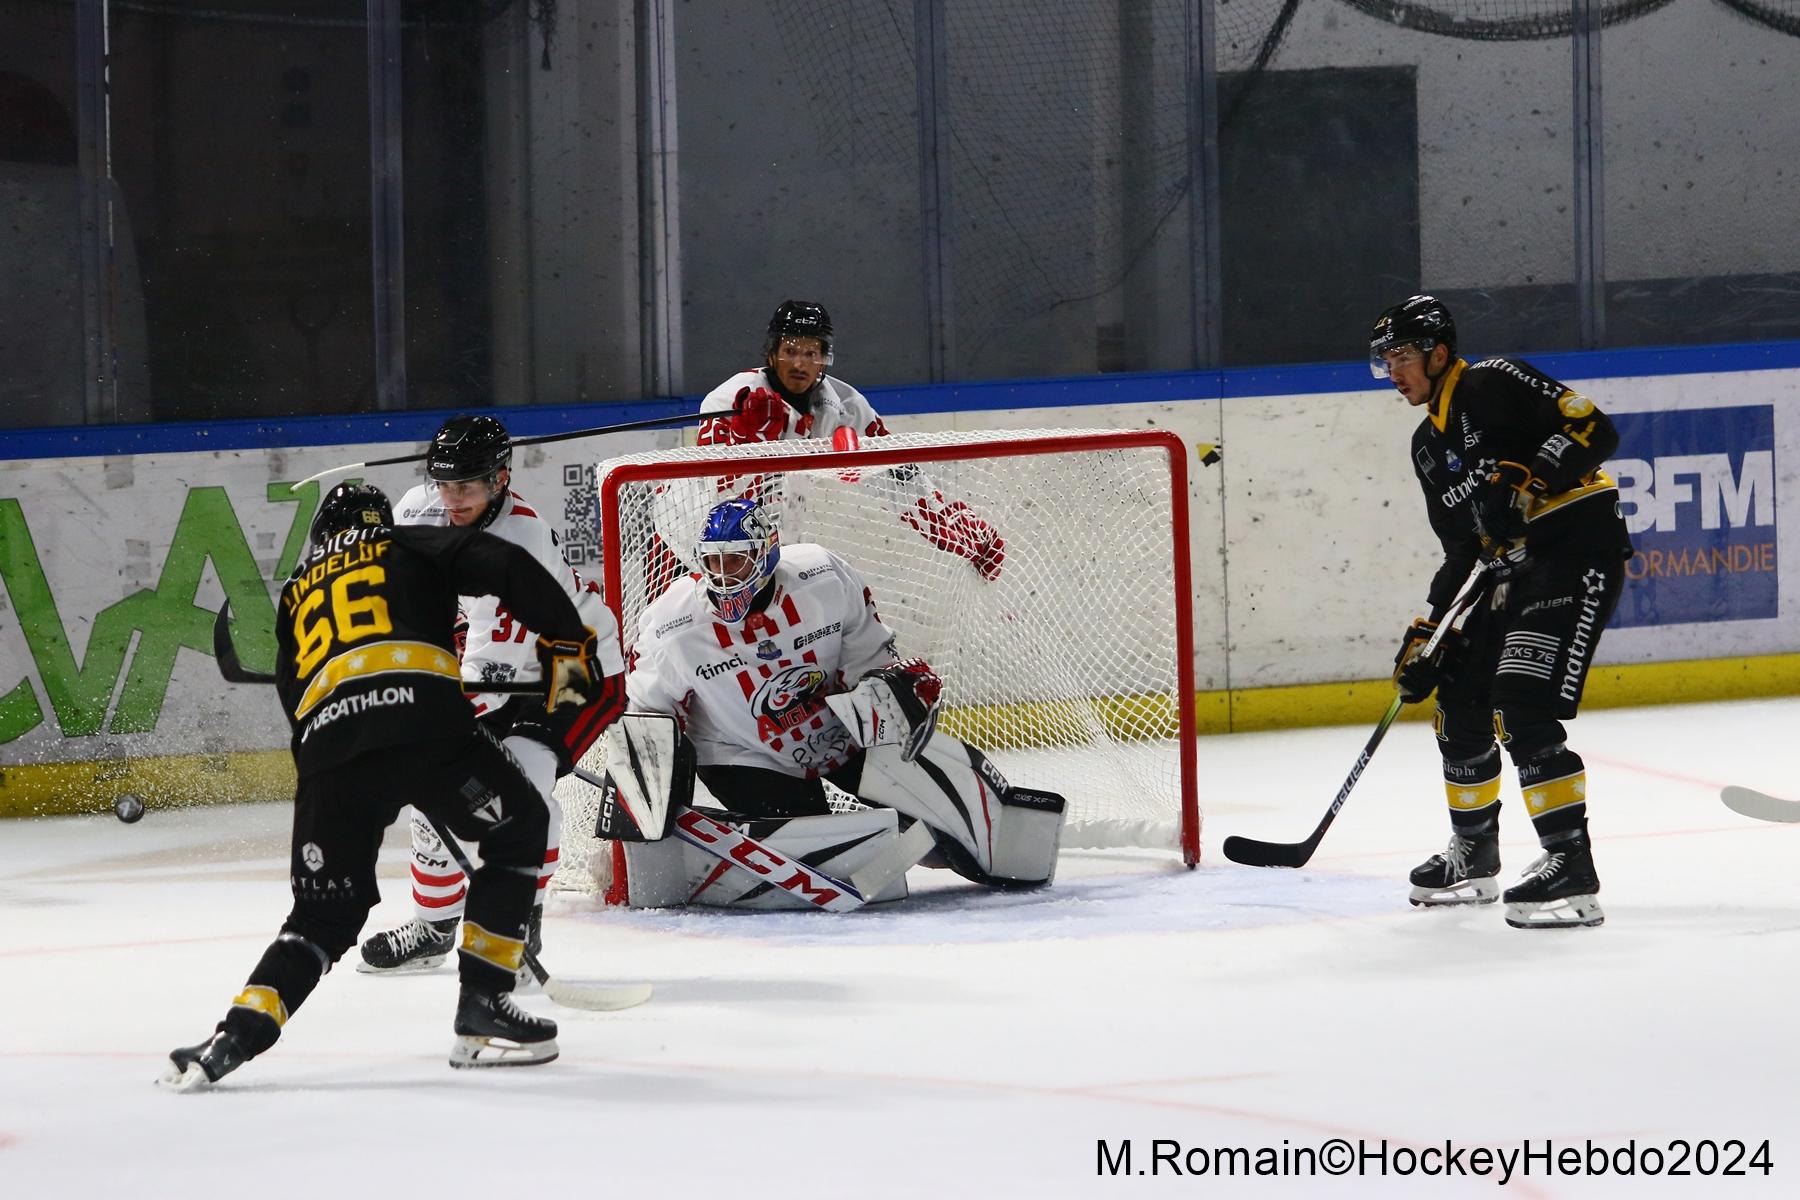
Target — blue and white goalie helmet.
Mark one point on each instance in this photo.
(738, 549)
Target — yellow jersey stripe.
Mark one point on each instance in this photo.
(379, 658)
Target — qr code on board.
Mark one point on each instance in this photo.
(581, 519)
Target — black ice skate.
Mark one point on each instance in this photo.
(1462, 874)
(1558, 891)
(415, 946)
(200, 1066)
(492, 1031)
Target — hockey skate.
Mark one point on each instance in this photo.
(1558, 891)
(492, 1031)
(193, 1067)
(1462, 874)
(415, 946)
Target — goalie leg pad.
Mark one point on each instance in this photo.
(671, 872)
(997, 834)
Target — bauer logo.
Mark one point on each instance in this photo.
(1697, 490)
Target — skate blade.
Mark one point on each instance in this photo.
(1571, 912)
(1469, 891)
(180, 1079)
(470, 1052)
(414, 967)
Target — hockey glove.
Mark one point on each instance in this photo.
(571, 676)
(1500, 504)
(894, 706)
(953, 526)
(1417, 676)
(758, 415)
(844, 438)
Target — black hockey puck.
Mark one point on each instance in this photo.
(128, 808)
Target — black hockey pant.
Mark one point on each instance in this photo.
(472, 787)
(1521, 674)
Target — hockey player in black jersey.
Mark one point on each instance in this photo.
(1509, 460)
(368, 677)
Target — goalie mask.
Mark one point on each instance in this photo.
(738, 549)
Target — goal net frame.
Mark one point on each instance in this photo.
(768, 459)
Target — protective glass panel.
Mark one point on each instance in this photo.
(1702, 134)
(1383, 149)
(240, 143)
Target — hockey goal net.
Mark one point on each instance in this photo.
(1072, 669)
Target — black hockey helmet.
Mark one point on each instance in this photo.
(1420, 321)
(352, 506)
(469, 447)
(799, 318)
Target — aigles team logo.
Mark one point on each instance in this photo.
(787, 698)
(1697, 491)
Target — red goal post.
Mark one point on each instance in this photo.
(1073, 668)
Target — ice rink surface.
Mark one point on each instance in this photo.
(964, 1043)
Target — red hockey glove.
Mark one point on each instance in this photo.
(758, 415)
(954, 527)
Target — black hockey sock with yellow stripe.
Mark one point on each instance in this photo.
(493, 931)
(1472, 789)
(287, 974)
(1554, 784)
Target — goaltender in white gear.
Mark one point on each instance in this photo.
(781, 674)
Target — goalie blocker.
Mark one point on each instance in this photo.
(946, 805)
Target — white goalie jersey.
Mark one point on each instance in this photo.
(753, 694)
(499, 648)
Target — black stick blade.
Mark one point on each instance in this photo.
(1253, 853)
(230, 669)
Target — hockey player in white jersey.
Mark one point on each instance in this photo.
(469, 485)
(782, 675)
(791, 397)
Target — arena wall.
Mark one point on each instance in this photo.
(117, 546)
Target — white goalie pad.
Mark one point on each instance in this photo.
(800, 863)
(1009, 836)
(649, 773)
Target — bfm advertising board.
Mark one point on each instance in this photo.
(1697, 488)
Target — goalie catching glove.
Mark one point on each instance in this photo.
(571, 676)
(896, 705)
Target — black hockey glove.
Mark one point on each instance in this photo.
(1500, 507)
(571, 676)
(1500, 504)
(1417, 676)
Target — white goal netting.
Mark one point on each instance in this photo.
(1071, 668)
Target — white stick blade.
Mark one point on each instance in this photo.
(1760, 806)
(597, 997)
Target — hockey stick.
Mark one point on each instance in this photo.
(1761, 806)
(234, 671)
(769, 866)
(1254, 853)
(594, 997)
(596, 431)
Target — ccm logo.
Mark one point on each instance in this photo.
(781, 872)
